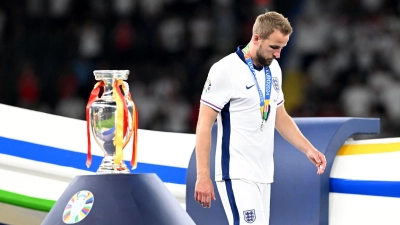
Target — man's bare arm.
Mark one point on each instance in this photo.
(204, 190)
(285, 125)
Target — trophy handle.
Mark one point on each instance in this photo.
(126, 90)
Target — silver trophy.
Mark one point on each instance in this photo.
(112, 120)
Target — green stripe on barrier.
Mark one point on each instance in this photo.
(26, 201)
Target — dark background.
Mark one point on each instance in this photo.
(343, 58)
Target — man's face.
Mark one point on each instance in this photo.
(270, 48)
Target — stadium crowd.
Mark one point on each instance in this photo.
(342, 59)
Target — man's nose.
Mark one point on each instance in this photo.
(277, 54)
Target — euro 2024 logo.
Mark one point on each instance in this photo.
(78, 207)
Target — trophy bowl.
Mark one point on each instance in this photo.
(112, 119)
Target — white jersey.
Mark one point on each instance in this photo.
(243, 150)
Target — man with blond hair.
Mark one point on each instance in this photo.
(243, 92)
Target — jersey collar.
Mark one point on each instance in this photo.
(241, 56)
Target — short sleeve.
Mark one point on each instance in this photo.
(280, 98)
(217, 89)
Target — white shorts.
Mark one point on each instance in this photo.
(245, 202)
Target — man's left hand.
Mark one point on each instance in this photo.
(318, 159)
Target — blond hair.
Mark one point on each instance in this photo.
(266, 24)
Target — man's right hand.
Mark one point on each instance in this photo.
(204, 192)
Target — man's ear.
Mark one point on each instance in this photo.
(256, 39)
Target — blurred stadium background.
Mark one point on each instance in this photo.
(343, 58)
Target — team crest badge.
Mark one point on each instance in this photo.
(207, 86)
(249, 216)
(275, 83)
(78, 207)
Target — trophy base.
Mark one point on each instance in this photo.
(139, 199)
(108, 166)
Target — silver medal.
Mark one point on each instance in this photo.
(262, 125)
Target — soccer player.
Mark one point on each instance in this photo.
(243, 91)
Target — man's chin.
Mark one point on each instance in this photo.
(267, 62)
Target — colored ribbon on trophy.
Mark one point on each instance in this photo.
(121, 120)
(93, 96)
(122, 115)
(135, 126)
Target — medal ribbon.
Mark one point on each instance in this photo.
(93, 96)
(264, 100)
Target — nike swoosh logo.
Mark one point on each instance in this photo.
(248, 87)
